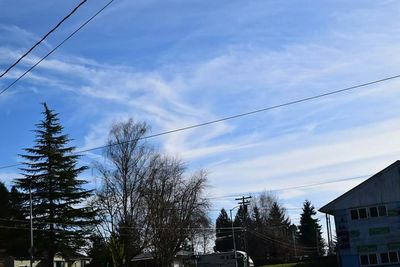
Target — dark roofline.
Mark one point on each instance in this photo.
(367, 181)
(73, 256)
(149, 256)
(143, 256)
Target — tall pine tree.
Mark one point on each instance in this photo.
(223, 240)
(4, 215)
(278, 230)
(14, 231)
(310, 234)
(242, 222)
(59, 212)
(257, 246)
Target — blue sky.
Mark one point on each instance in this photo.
(178, 63)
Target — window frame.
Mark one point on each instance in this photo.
(376, 210)
(379, 211)
(368, 212)
(365, 256)
(376, 258)
(368, 258)
(397, 256)
(365, 213)
(354, 212)
(387, 257)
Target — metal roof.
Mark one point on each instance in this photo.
(382, 187)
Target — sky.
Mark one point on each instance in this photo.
(177, 63)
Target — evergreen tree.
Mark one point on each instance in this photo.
(277, 220)
(51, 171)
(243, 221)
(257, 246)
(99, 252)
(223, 240)
(4, 201)
(310, 230)
(18, 244)
(14, 232)
(4, 214)
(278, 230)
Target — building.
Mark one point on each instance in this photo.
(73, 260)
(226, 259)
(367, 220)
(182, 259)
(2, 257)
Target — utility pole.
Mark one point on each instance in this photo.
(328, 233)
(317, 240)
(244, 203)
(233, 235)
(31, 222)
(294, 244)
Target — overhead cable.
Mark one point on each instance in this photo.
(43, 38)
(55, 48)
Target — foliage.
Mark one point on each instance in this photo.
(120, 201)
(267, 233)
(99, 252)
(223, 236)
(242, 222)
(310, 235)
(51, 171)
(146, 202)
(175, 207)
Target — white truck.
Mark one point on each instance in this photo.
(223, 259)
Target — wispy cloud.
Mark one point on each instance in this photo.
(200, 77)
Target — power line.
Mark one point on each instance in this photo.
(281, 242)
(38, 222)
(249, 113)
(55, 48)
(43, 38)
(289, 188)
(212, 121)
(296, 187)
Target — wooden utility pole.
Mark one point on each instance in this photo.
(244, 203)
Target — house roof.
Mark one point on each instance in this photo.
(75, 256)
(148, 256)
(382, 187)
(143, 257)
(69, 256)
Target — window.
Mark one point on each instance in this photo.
(373, 212)
(362, 213)
(384, 258)
(369, 259)
(382, 211)
(373, 259)
(354, 214)
(393, 256)
(390, 257)
(364, 259)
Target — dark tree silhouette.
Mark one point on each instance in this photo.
(223, 236)
(60, 214)
(310, 235)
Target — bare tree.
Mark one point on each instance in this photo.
(119, 200)
(176, 207)
(264, 202)
(146, 202)
(203, 238)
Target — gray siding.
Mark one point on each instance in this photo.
(368, 235)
